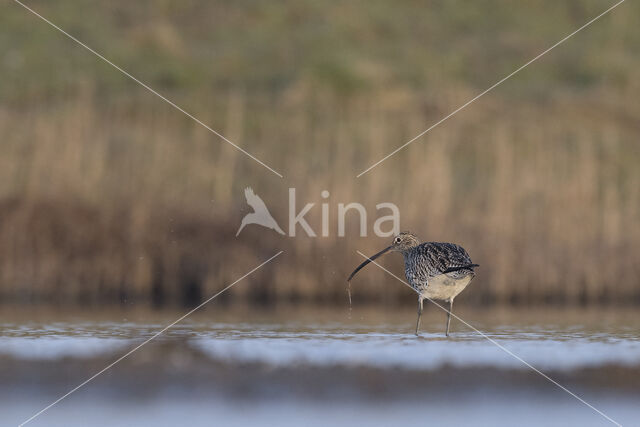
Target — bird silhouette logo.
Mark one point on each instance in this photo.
(260, 215)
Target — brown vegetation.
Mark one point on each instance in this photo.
(113, 196)
(102, 208)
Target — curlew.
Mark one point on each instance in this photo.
(436, 271)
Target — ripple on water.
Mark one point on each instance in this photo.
(328, 345)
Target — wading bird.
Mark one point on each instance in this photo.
(436, 271)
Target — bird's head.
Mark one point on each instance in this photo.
(402, 242)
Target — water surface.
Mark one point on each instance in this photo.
(345, 367)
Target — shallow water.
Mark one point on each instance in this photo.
(289, 368)
(329, 345)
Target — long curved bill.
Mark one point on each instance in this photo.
(367, 261)
(371, 258)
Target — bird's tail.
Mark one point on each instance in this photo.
(462, 267)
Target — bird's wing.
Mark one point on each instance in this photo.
(254, 200)
(445, 258)
(462, 267)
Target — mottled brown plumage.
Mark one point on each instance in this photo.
(438, 271)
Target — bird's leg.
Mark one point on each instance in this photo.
(419, 314)
(449, 316)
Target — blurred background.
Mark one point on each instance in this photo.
(118, 212)
(110, 196)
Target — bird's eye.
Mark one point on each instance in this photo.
(396, 240)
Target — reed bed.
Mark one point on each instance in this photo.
(108, 195)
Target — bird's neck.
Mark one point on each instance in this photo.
(407, 253)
